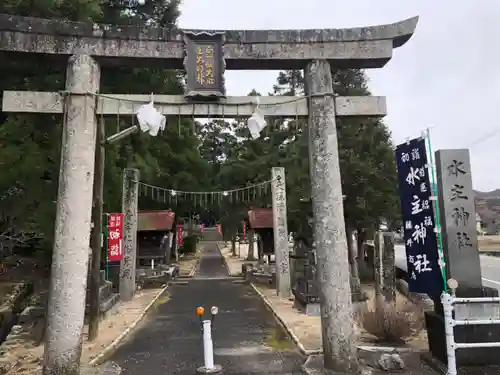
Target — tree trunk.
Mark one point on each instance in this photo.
(259, 249)
(250, 255)
(360, 240)
(233, 245)
(356, 292)
(167, 249)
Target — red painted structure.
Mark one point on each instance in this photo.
(260, 218)
(155, 220)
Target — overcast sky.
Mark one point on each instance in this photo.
(446, 77)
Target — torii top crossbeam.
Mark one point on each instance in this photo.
(362, 47)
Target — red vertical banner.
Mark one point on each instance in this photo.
(180, 230)
(115, 237)
(219, 229)
(244, 231)
(202, 227)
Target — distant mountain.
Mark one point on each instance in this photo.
(494, 194)
(488, 207)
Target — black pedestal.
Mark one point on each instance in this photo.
(434, 322)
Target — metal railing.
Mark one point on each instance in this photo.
(449, 301)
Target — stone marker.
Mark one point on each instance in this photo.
(305, 288)
(280, 229)
(458, 217)
(129, 208)
(385, 276)
(459, 236)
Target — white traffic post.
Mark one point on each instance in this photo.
(209, 366)
(449, 324)
(208, 345)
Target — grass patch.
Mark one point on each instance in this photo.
(277, 339)
(6, 289)
(161, 301)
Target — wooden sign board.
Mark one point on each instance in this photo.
(204, 65)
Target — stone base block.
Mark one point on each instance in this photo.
(108, 368)
(217, 370)
(162, 270)
(106, 305)
(310, 309)
(472, 333)
(359, 296)
(314, 365)
(263, 278)
(31, 314)
(246, 269)
(154, 282)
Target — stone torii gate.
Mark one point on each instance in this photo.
(205, 54)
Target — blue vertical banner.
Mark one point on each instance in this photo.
(422, 259)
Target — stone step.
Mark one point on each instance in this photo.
(107, 304)
(105, 290)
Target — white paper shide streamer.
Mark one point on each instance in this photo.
(150, 119)
(256, 123)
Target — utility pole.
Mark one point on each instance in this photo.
(96, 234)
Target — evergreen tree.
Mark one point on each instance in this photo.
(32, 142)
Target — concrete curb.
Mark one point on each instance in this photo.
(107, 351)
(387, 349)
(287, 329)
(194, 268)
(225, 261)
(308, 352)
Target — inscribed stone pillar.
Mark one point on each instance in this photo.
(66, 305)
(338, 333)
(130, 204)
(458, 217)
(356, 292)
(459, 237)
(377, 263)
(280, 229)
(388, 269)
(385, 277)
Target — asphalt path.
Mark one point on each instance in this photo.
(490, 267)
(247, 339)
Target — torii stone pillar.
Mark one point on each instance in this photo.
(280, 229)
(338, 332)
(66, 306)
(130, 209)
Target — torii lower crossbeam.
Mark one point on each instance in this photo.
(178, 105)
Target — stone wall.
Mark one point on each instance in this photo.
(12, 307)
